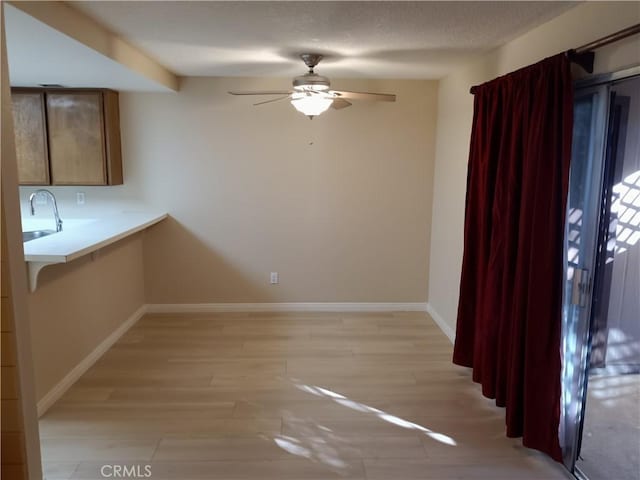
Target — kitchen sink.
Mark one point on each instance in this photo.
(27, 236)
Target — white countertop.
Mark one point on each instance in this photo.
(80, 237)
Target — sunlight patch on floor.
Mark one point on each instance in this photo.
(361, 407)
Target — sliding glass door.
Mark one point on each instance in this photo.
(601, 317)
(583, 214)
(609, 445)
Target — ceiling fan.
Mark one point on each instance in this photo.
(311, 94)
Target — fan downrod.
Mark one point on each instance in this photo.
(311, 60)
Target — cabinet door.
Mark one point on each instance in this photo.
(31, 138)
(76, 138)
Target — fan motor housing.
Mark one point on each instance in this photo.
(311, 81)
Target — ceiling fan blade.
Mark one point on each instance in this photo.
(385, 97)
(271, 101)
(262, 92)
(340, 103)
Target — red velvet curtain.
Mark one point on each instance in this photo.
(509, 312)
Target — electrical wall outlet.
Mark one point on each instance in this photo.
(80, 198)
(273, 279)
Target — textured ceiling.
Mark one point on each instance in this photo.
(358, 39)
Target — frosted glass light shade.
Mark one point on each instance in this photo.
(311, 104)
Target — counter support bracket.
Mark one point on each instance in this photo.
(34, 271)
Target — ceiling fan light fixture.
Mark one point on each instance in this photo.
(311, 94)
(311, 104)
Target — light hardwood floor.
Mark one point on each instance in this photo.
(283, 397)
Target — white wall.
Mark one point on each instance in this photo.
(339, 205)
(576, 27)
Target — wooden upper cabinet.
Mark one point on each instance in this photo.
(31, 137)
(76, 138)
(82, 136)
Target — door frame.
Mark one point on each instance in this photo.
(17, 284)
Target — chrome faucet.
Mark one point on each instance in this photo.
(33, 196)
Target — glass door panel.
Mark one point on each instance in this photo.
(583, 211)
(609, 445)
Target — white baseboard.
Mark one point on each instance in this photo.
(444, 326)
(57, 391)
(284, 307)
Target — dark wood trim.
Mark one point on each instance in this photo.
(112, 137)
